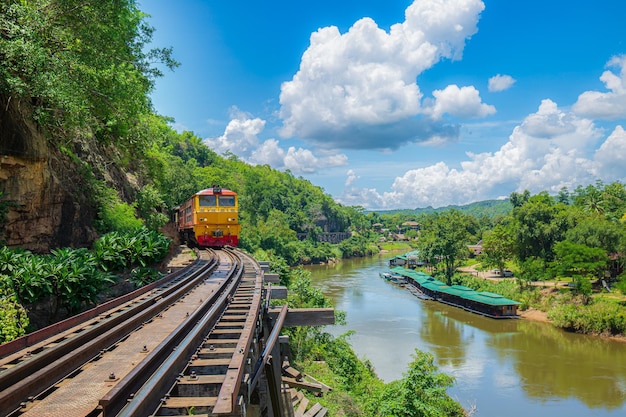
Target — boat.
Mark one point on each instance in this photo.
(417, 292)
(395, 278)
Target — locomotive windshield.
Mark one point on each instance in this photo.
(207, 201)
(227, 201)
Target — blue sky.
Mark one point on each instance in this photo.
(402, 104)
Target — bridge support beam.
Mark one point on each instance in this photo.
(305, 316)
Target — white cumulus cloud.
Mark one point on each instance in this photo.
(606, 105)
(351, 177)
(461, 102)
(550, 149)
(610, 158)
(500, 83)
(241, 137)
(357, 90)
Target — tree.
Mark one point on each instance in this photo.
(444, 239)
(420, 393)
(539, 223)
(590, 198)
(596, 231)
(80, 63)
(518, 200)
(573, 259)
(498, 246)
(564, 196)
(150, 205)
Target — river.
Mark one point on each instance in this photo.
(502, 367)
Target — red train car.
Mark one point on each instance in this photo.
(209, 218)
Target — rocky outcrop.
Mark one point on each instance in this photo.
(47, 197)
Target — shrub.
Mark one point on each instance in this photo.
(142, 276)
(13, 319)
(141, 247)
(421, 392)
(117, 216)
(599, 317)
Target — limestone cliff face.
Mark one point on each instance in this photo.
(46, 195)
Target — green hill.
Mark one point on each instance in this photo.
(488, 208)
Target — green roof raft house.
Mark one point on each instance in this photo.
(486, 303)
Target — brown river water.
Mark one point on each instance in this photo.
(502, 367)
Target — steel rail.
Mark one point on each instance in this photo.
(117, 398)
(52, 330)
(35, 374)
(227, 396)
(155, 388)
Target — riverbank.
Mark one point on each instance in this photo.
(534, 315)
(487, 357)
(580, 320)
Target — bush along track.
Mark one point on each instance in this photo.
(66, 280)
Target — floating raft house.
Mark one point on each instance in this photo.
(486, 303)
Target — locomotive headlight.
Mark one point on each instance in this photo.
(231, 219)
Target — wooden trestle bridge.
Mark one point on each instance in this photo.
(201, 341)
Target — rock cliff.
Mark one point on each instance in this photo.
(42, 187)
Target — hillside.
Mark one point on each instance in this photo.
(82, 152)
(488, 208)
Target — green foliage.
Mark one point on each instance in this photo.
(119, 216)
(491, 209)
(498, 246)
(119, 250)
(13, 318)
(150, 205)
(25, 275)
(75, 279)
(600, 199)
(532, 269)
(420, 393)
(538, 223)
(83, 63)
(350, 371)
(444, 239)
(357, 246)
(306, 341)
(599, 317)
(596, 231)
(70, 278)
(304, 295)
(141, 276)
(573, 259)
(621, 283)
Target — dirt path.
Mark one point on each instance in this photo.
(534, 315)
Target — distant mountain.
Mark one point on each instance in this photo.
(489, 208)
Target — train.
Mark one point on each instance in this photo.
(209, 218)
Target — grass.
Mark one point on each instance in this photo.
(395, 246)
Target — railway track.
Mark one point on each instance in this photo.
(94, 368)
(205, 373)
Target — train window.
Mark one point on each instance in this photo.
(227, 201)
(207, 201)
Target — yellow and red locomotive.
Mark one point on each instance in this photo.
(210, 218)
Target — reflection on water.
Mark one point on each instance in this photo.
(552, 363)
(505, 367)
